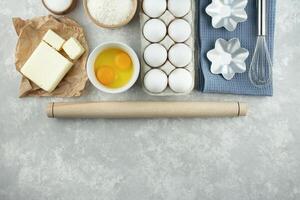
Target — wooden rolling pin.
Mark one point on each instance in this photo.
(146, 109)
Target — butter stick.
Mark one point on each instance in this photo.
(46, 67)
(54, 40)
(73, 48)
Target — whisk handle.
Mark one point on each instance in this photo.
(262, 17)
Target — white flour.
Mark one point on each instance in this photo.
(110, 12)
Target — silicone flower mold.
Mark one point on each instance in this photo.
(228, 58)
(227, 13)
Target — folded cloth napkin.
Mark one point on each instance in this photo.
(246, 32)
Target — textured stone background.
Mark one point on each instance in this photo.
(255, 158)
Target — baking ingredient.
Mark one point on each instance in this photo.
(155, 55)
(180, 55)
(73, 48)
(46, 67)
(110, 12)
(32, 31)
(154, 8)
(113, 68)
(58, 6)
(179, 8)
(181, 81)
(155, 30)
(171, 50)
(106, 75)
(155, 81)
(54, 40)
(123, 61)
(180, 30)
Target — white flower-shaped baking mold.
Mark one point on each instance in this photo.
(228, 58)
(227, 13)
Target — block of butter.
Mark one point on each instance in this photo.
(46, 67)
(54, 40)
(73, 48)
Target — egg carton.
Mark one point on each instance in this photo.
(168, 42)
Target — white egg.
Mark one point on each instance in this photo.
(154, 8)
(179, 8)
(181, 81)
(180, 55)
(154, 30)
(180, 30)
(155, 55)
(155, 81)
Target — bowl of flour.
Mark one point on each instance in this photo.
(110, 13)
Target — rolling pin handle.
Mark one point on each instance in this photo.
(49, 110)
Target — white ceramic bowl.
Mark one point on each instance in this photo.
(91, 71)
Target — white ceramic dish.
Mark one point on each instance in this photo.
(91, 71)
(227, 14)
(60, 7)
(228, 58)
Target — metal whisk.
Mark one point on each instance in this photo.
(260, 72)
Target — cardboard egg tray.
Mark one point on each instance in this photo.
(167, 42)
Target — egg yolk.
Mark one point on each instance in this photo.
(123, 61)
(113, 68)
(106, 75)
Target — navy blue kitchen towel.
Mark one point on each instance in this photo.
(246, 32)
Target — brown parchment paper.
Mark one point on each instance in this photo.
(30, 34)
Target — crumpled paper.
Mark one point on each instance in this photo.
(30, 34)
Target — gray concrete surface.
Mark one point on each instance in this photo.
(252, 158)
